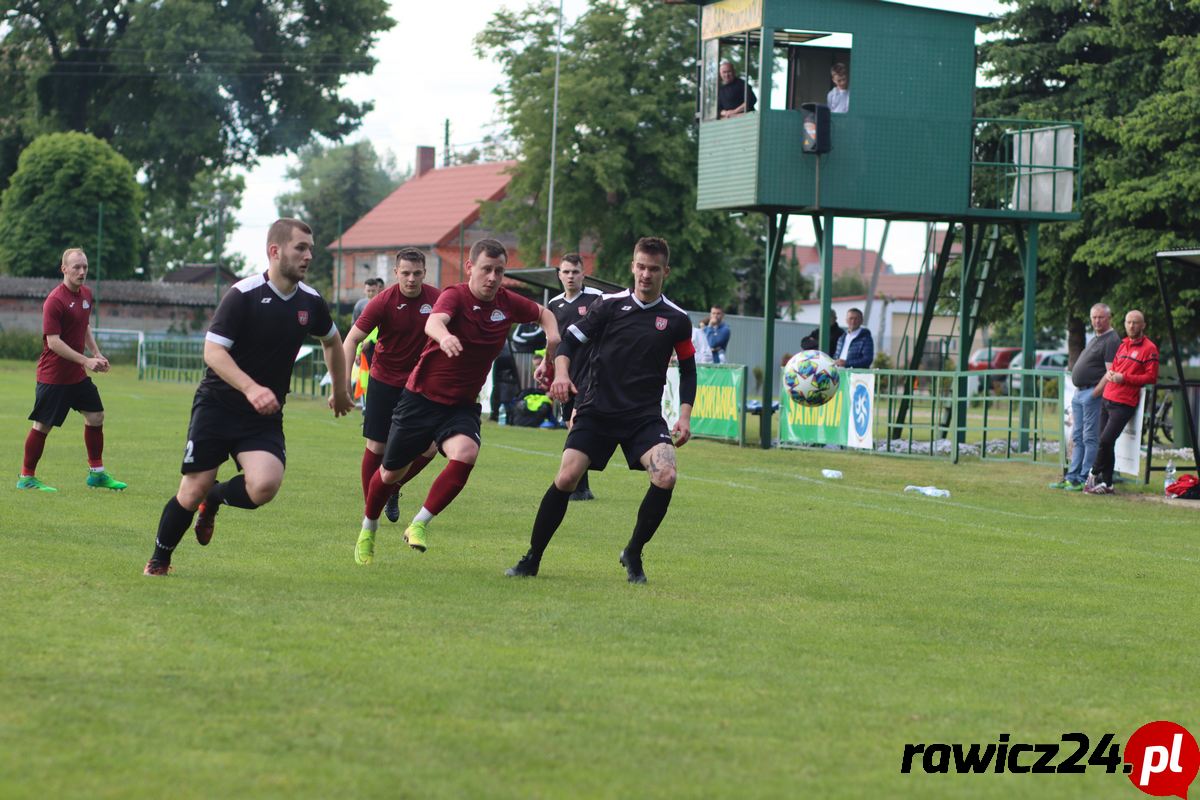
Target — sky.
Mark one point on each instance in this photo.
(428, 73)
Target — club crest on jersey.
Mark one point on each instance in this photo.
(497, 315)
(426, 309)
(582, 310)
(86, 304)
(660, 323)
(302, 316)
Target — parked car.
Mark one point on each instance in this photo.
(992, 358)
(1042, 359)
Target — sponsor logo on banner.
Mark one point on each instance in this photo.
(862, 402)
(302, 316)
(660, 323)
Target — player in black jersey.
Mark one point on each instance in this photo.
(568, 308)
(633, 335)
(250, 347)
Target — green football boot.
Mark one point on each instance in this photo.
(364, 550)
(102, 480)
(415, 536)
(30, 482)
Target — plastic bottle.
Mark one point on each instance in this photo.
(928, 491)
(1170, 478)
(831, 473)
(503, 419)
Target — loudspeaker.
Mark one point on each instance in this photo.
(816, 128)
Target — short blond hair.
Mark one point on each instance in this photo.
(68, 252)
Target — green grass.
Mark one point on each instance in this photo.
(795, 633)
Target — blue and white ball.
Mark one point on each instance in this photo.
(811, 378)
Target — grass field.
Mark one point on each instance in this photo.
(794, 635)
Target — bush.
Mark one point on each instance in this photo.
(20, 345)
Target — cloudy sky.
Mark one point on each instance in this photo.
(428, 73)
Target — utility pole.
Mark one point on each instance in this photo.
(221, 200)
(446, 145)
(99, 258)
(554, 138)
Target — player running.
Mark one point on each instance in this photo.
(633, 335)
(467, 329)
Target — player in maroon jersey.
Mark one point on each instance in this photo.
(467, 329)
(62, 381)
(398, 314)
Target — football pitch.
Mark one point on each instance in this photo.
(796, 632)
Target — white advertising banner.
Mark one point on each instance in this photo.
(1129, 444)
(862, 411)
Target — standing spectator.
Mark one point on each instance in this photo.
(370, 289)
(855, 348)
(838, 98)
(704, 354)
(568, 308)
(716, 330)
(813, 340)
(62, 381)
(634, 333)
(249, 349)
(466, 331)
(1089, 377)
(397, 317)
(734, 97)
(1135, 365)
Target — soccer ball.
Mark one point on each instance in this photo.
(811, 378)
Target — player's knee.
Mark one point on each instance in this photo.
(664, 478)
(262, 491)
(93, 419)
(390, 476)
(567, 481)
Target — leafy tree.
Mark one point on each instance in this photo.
(336, 184)
(626, 161)
(191, 231)
(1127, 70)
(53, 202)
(180, 87)
(848, 284)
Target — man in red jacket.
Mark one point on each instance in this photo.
(1135, 365)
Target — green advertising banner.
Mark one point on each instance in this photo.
(719, 410)
(827, 424)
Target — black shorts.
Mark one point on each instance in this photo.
(215, 433)
(53, 401)
(382, 399)
(418, 422)
(597, 437)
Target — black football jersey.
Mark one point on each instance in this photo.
(632, 345)
(263, 331)
(568, 312)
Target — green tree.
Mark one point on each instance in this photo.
(1124, 70)
(53, 202)
(626, 161)
(336, 184)
(180, 87)
(191, 231)
(848, 284)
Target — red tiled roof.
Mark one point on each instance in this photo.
(424, 211)
(845, 259)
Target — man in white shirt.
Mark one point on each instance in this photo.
(855, 348)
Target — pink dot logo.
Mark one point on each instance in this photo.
(1162, 759)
